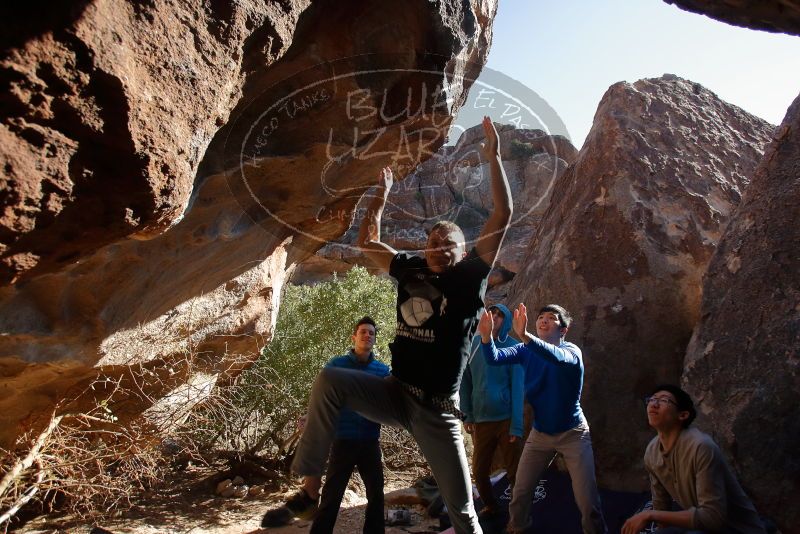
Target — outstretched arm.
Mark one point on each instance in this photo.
(369, 235)
(661, 504)
(494, 230)
(638, 522)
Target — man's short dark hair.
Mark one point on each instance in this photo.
(563, 315)
(365, 320)
(682, 399)
(447, 225)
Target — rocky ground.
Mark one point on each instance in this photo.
(187, 504)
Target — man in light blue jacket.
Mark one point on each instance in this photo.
(492, 400)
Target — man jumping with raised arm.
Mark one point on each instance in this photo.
(439, 300)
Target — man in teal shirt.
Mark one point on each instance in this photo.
(492, 399)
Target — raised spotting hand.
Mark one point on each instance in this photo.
(520, 322)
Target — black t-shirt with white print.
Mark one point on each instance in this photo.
(436, 319)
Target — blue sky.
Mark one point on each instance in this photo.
(570, 52)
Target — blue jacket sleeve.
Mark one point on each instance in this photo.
(508, 355)
(385, 371)
(517, 399)
(543, 349)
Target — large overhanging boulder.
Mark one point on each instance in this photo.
(626, 239)
(769, 15)
(110, 108)
(166, 165)
(743, 362)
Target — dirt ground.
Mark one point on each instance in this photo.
(187, 504)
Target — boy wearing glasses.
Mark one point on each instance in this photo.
(553, 371)
(686, 465)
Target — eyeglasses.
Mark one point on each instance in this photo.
(659, 401)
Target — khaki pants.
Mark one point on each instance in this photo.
(575, 446)
(487, 438)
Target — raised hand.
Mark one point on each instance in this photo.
(386, 178)
(490, 148)
(369, 234)
(494, 229)
(520, 322)
(485, 326)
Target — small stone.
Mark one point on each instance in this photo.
(229, 491)
(222, 486)
(240, 491)
(238, 481)
(254, 491)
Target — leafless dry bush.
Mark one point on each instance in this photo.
(83, 463)
(92, 464)
(257, 413)
(100, 450)
(401, 452)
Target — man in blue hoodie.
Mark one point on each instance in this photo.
(492, 399)
(553, 383)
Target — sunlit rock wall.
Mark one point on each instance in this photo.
(743, 363)
(626, 240)
(165, 166)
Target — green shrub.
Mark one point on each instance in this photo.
(315, 322)
(257, 414)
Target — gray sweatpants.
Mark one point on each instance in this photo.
(540, 449)
(386, 402)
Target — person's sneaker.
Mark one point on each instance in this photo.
(298, 505)
(302, 505)
(277, 517)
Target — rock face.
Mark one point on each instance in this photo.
(626, 239)
(165, 166)
(780, 16)
(743, 362)
(109, 109)
(454, 185)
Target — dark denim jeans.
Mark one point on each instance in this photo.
(346, 455)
